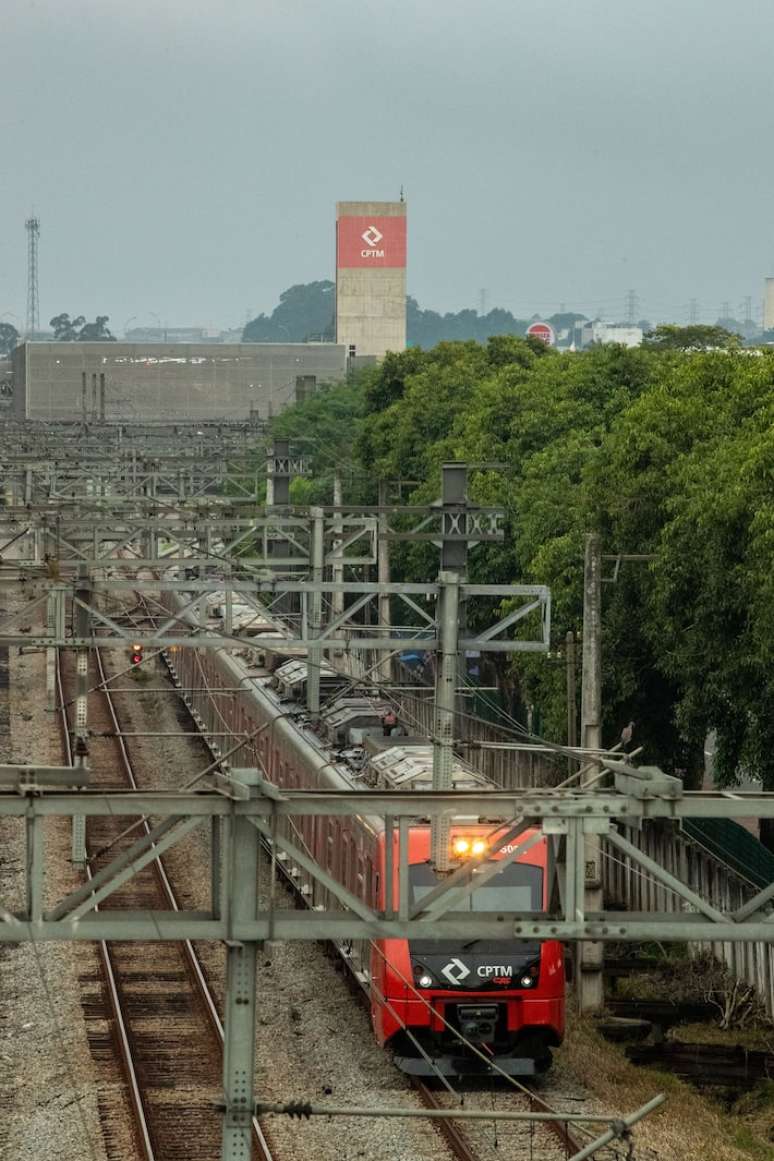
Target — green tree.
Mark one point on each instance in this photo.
(696, 337)
(96, 331)
(9, 337)
(66, 330)
(667, 452)
(325, 427)
(304, 312)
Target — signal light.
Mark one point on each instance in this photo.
(466, 846)
(136, 655)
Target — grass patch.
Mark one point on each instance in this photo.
(689, 1127)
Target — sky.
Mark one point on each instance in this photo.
(185, 158)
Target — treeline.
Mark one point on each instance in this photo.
(667, 453)
(306, 313)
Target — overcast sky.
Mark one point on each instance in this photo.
(185, 157)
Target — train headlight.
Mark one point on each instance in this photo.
(531, 976)
(422, 977)
(464, 847)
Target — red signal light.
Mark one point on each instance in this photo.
(136, 654)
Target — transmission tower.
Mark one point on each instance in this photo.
(32, 226)
(693, 310)
(632, 304)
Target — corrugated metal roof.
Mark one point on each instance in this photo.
(733, 844)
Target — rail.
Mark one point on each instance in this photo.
(460, 1146)
(194, 965)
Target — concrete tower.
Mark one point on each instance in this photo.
(371, 277)
(768, 306)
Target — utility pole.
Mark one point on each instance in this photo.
(693, 311)
(572, 695)
(81, 628)
(337, 599)
(590, 981)
(314, 652)
(454, 556)
(383, 576)
(278, 496)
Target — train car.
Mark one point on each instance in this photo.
(439, 1006)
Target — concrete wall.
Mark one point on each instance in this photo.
(167, 381)
(598, 332)
(370, 291)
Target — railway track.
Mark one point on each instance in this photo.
(550, 1140)
(164, 1016)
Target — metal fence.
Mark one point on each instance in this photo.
(629, 887)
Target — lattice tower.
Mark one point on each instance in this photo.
(32, 225)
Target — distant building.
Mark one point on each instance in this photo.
(168, 381)
(371, 277)
(173, 335)
(600, 332)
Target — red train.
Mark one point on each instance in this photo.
(429, 1001)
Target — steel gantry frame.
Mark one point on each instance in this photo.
(33, 794)
(242, 808)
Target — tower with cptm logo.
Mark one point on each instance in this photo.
(371, 277)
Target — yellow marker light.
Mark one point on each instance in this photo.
(479, 846)
(461, 846)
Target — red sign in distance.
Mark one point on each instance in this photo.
(377, 241)
(543, 331)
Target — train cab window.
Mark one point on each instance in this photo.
(518, 887)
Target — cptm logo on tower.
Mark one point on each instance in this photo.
(372, 237)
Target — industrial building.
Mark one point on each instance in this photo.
(600, 332)
(168, 381)
(371, 277)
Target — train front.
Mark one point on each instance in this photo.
(458, 1008)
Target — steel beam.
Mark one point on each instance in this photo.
(239, 1022)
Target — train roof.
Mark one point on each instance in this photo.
(409, 766)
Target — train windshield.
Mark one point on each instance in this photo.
(518, 887)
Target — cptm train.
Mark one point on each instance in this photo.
(429, 1001)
